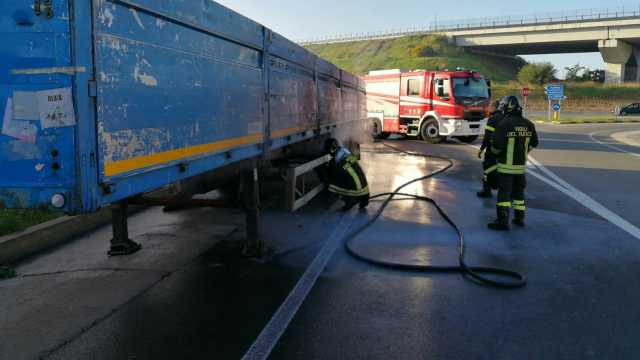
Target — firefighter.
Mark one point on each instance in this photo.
(489, 164)
(513, 139)
(345, 176)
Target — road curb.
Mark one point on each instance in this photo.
(625, 137)
(587, 122)
(18, 246)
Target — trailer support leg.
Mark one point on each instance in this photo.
(251, 200)
(121, 244)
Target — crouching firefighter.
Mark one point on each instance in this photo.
(490, 162)
(513, 139)
(345, 176)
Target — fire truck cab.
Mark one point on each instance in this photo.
(431, 105)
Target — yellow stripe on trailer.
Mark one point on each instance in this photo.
(113, 168)
(286, 132)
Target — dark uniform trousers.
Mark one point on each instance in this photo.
(490, 165)
(512, 142)
(490, 162)
(511, 192)
(347, 179)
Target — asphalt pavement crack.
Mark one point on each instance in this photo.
(61, 272)
(46, 354)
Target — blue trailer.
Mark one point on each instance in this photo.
(103, 100)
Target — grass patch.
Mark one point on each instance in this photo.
(430, 52)
(433, 52)
(585, 119)
(17, 220)
(580, 96)
(575, 90)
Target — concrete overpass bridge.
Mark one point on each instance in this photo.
(618, 40)
(613, 33)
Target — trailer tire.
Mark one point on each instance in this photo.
(430, 131)
(468, 139)
(376, 130)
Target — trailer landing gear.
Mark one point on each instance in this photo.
(121, 244)
(250, 194)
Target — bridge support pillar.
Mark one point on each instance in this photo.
(620, 61)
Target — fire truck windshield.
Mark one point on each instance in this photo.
(470, 88)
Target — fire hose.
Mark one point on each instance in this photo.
(484, 275)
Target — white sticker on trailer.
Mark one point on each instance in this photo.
(25, 105)
(21, 130)
(56, 108)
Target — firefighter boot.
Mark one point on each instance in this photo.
(486, 191)
(349, 203)
(518, 218)
(364, 202)
(502, 222)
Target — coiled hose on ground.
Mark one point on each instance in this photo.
(478, 274)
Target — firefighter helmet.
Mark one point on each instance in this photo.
(331, 146)
(510, 105)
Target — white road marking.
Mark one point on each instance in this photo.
(537, 165)
(275, 328)
(559, 184)
(588, 202)
(271, 334)
(572, 141)
(593, 137)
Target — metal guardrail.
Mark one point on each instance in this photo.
(485, 23)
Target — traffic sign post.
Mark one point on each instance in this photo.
(555, 94)
(525, 94)
(555, 91)
(556, 111)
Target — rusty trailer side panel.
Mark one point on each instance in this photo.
(146, 93)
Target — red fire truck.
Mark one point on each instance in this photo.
(431, 105)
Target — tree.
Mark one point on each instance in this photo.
(576, 72)
(537, 73)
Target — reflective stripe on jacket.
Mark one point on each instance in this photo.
(513, 139)
(346, 177)
(490, 129)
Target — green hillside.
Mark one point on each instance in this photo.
(429, 52)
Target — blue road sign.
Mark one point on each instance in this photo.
(557, 107)
(555, 92)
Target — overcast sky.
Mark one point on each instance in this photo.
(306, 19)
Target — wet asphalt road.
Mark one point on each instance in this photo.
(189, 295)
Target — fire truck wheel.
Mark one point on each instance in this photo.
(376, 130)
(430, 132)
(468, 139)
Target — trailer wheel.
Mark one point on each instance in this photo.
(468, 139)
(376, 130)
(430, 132)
